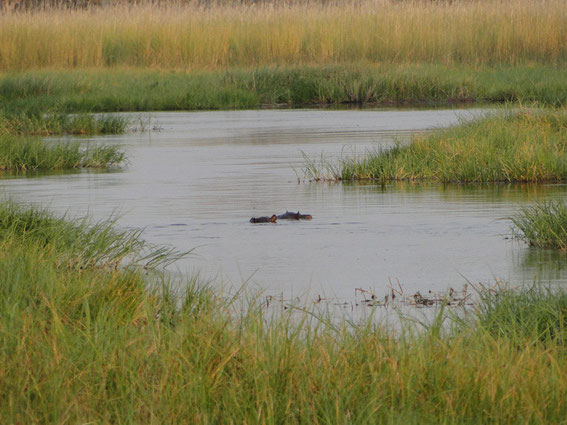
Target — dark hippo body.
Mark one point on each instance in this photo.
(294, 216)
(265, 219)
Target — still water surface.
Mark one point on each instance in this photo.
(196, 182)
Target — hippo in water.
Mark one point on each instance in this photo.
(265, 219)
(294, 216)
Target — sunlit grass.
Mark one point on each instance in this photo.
(512, 146)
(475, 33)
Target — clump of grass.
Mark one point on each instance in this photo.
(513, 146)
(27, 154)
(100, 344)
(543, 225)
(34, 122)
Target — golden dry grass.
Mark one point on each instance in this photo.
(475, 33)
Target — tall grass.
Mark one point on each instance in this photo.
(81, 244)
(28, 154)
(543, 225)
(32, 121)
(129, 89)
(537, 314)
(114, 345)
(20, 152)
(513, 146)
(215, 36)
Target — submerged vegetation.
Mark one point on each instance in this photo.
(90, 341)
(512, 146)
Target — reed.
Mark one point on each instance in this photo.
(116, 345)
(512, 146)
(217, 36)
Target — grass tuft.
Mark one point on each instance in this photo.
(543, 225)
(29, 154)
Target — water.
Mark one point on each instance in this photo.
(197, 179)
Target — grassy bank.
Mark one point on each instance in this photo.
(146, 90)
(216, 36)
(524, 146)
(85, 341)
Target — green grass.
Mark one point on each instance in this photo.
(96, 340)
(24, 121)
(131, 89)
(528, 145)
(543, 225)
(535, 314)
(19, 151)
(32, 154)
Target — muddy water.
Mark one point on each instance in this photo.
(195, 180)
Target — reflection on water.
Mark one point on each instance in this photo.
(197, 182)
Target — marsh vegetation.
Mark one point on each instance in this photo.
(90, 331)
(84, 340)
(216, 36)
(511, 146)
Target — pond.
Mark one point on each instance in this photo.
(194, 180)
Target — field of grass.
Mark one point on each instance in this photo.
(460, 32)
(132, 89)
(86, 338)
(512, 146)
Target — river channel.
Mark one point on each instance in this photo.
(194, 180)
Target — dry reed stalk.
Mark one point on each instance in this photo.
(376, 31)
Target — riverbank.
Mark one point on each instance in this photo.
(86, 338)
(133, 89)
(511, 146)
